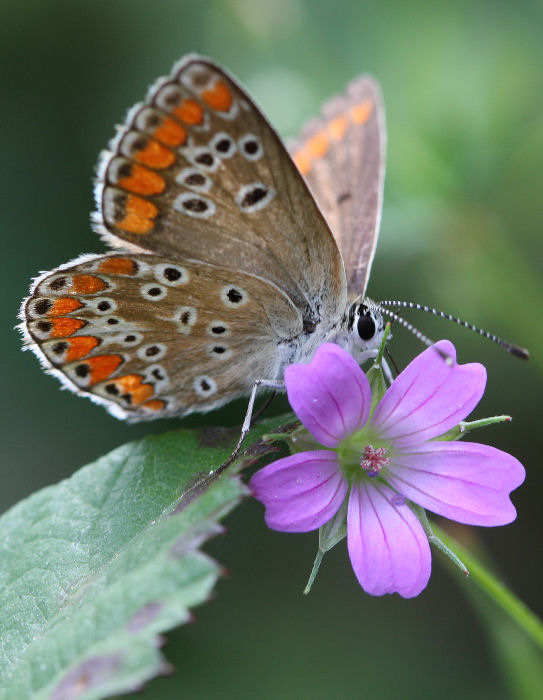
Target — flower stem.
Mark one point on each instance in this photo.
(497, 591)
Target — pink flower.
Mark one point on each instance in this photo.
(380, 464)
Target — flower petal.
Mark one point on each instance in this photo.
(300, 492)
(330, 394)
(429, 397)
(388, 548)
(463, 481)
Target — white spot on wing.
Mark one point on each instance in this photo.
(153, 291)
(171, 274)
(193, 205)
(250, 147)
(233, 296)
(254, 197)
(204, 386)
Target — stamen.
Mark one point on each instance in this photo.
(374, 460)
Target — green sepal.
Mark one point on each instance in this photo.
(330, 534)
(376, 375)
(464, 427)
(435, 540)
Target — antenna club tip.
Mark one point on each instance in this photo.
(519, 352)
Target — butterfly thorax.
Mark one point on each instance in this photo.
(359, 330)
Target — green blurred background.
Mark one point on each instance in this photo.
(461, 230)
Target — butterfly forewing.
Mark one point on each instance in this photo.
(197, 172)
(341, 154)
(229, 270)
(149, 337)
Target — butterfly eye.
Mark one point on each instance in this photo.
(365, 326)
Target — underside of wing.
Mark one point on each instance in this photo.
(150, 338)
(197, 172)
(341, 154)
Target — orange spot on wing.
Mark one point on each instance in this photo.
(155, 155)
(360, 113)
(302, 162)
(143, 181)
(87, 284)
(102, 366)
(190, 112)
(132, 384)
(138, 215)
(65, 305)
(80, 346)
(118, 266)
(155, 405)
(318, 144)
(171, 133)
(337, 128)
(218, 97)
(65, 326)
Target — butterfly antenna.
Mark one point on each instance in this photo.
(515, 350)
(418, 334)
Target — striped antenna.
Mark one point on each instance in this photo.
(418, 334)
(515, 350)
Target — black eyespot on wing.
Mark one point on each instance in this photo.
(234, 296)
(196, 205)
(42, 306)
(204, 159)
(57, 283)
(104, 305)
(250, 147)
(254, 196)
(171, 274)
(195, 180)
(60, 347)
(223, 146)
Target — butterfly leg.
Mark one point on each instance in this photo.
(278, 385)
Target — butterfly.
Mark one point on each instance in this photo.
(232, 257)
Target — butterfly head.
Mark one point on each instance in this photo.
(365, 329)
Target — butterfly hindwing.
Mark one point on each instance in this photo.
(197, 172)
(150, 337)
(341, 154)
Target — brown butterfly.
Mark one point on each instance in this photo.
(225, 268)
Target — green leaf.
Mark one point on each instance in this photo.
(94, 568)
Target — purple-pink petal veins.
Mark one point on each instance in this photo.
(428, 398)
(388, 547)
(330, 394)
(300, 492)
(463, 481)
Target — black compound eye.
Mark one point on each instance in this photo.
(366, 327)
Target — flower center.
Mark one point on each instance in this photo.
(373, 459)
